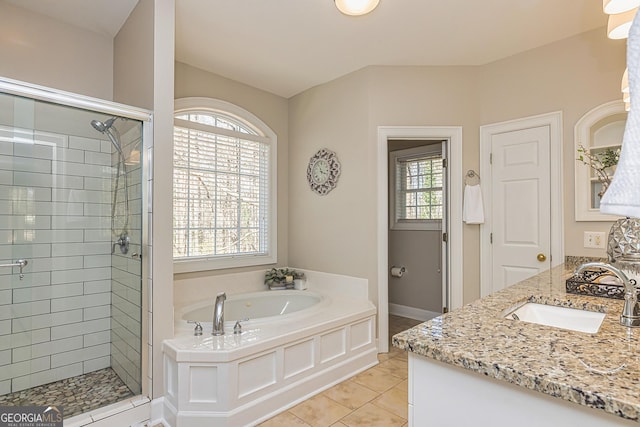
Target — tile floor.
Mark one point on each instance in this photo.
(376, 397)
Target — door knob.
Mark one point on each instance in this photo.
(541, 257)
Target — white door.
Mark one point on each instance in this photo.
(520, 205)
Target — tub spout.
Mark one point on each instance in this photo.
(630, 316)
(218, 314)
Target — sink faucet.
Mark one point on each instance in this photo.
(630, 316)
(218, 314)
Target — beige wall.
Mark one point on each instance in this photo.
(572, 76)
(337, 232)
(133, 58)
(37, 49)
(271, 109)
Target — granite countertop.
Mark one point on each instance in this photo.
(600, 370)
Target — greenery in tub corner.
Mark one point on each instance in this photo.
(277, 276)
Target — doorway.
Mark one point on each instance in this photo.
(452, 259)
(521, 162)
(417, 225)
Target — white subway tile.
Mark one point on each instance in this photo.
(48, 236)
(81, 169)
(97, 209)
(30, 279)
(15, 370)
(92, 261)
(21, 193)
(96, 364)
(38, 151)
(30, 222)
(79, 196)
(52, 347)
(6, 177)
(74, 356)
(6, 297)
(67, 263)
(48, 139)
(97, 338)
(47, 208)
(97, 286)
(46, 377)
(25, 164)
(99, 312)
(5, 357)
(47, 292)
(93, 158)
(5, 327)
(69, 155)
(84, 144)
(24, 338)
(6, 236)
(83, 301)
(24, 309)
(98, 236)
(77, 249)
(80, 222)
(59, 332)
(5, 387)
(60, 319)
(64, 276)
(98, 184)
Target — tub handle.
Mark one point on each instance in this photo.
(197, 331)
(237, 328)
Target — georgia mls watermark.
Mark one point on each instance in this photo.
(30, 416)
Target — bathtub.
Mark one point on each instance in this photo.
(294, 345)
(266, 306)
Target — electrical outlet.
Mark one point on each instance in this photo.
(594, 239)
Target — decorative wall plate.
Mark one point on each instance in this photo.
(323, 171)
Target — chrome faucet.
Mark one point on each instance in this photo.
(218, 314)
(630, 316)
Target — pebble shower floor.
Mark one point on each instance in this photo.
(75, 395)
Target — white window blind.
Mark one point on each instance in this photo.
(221, 187)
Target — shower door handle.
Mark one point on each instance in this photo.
(136, 255)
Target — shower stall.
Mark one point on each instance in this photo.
(71, 242)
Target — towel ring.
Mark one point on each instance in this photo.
(471, 177)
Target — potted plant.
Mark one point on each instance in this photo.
(282, 278)
(603, 164)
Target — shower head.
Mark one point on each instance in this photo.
(103, 126)
(106, 128)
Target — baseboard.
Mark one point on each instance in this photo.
(412, 312)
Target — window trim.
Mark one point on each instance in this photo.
(394, 223)
(184, 105)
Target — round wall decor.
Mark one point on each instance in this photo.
(323, 171)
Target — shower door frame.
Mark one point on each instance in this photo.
(69, 99)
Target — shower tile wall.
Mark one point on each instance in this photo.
(126, 291)
(55, 203)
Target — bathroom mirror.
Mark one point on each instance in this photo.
(598, 133)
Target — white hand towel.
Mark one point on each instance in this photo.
(472, 210)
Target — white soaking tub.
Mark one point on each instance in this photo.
(294, 345)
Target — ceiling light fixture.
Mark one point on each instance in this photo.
(619, 24)
(618, 6)
(356, 7)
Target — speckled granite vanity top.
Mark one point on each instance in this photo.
(600, 370)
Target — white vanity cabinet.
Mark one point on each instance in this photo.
(442, 395)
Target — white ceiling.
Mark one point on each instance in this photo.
(288, 46)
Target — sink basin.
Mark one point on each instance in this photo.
(559, 317)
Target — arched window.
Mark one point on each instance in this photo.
(224, 187)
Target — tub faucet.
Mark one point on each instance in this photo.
(218, 314)
(630, 316)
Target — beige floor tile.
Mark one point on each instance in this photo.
(395, 366)
(372, 416)
(403, 386)
(379, 380)
(320, 411)
(339, 424)
(395, 401)
(350, 394)
(284, 419)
